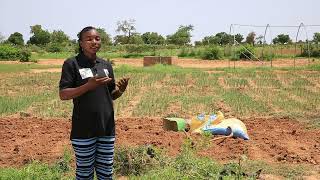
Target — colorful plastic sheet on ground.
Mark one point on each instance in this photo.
(217, 125)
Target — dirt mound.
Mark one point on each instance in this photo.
(272, 140)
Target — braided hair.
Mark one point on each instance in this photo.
(80, 34)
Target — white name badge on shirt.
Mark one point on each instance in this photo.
(85, 73)
(106, 72)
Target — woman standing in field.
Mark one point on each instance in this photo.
(90, 82)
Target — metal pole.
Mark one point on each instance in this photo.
(295, 47)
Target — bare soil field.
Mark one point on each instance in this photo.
(271, 140)
(193, 63)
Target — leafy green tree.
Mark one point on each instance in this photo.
(135, 39)
(120, 39)
(152, 38)
(127, 27)
(105, 37)
(16, 39)
(59, 37)
(282, 39)
(239, 38)
(259, 39)
(316, 37)
(182, 36)
(40, 36)
(223, 38)
(250, 39)
(198, 43)
(210, 40)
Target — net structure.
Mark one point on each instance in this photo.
(266, 31)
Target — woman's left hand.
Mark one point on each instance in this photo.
(122, 84)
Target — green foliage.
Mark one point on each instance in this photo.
(239, 38)
(135, 39)
(55, 47)
(25, 55)
(40, 37)
(10, 52)
(35, 48)
(184, 52)
(105, 38)
(16, 39)
(268, 56)
(223, 38)
(209, 40)
(316, 37)
(137, 160)
(212, 53)
(282, 39)
(152, 38)
(59, 37)
(244, 52)
(182, 36)
(314, 51)
(120, 40)
(37, 170)
(127, 27)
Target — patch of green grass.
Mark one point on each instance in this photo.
(38, 170)
(9, 105)
(16, 68)
(48, 55)
(243, 104)
(157, 89)
(236, 82)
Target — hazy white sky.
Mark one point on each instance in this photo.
(163, 16)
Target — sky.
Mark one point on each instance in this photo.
(163, 16)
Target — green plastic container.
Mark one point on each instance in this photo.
(174, 124)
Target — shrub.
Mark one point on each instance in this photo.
(54, 47)
(137, 160)
(314, 51)
(25, 55)
(244, 52)
(10, 52)
(184, 52)
(211, 53)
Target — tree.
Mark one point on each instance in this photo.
(239, 38)
(120, 39)
(209, 40)
(40, 36)
(105, 37)
(152, 38)
(250, 39)
(59, 37)
(316, 37)
(16, 39)
(282, 39)
(223, 38)
(182, 36)
(135, 39)
(259, 39)
(198, 43)
(127, 27)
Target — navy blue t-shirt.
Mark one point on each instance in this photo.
(93, 113)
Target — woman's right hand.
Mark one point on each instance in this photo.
(96, 81)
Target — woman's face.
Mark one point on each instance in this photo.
(90, 42)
